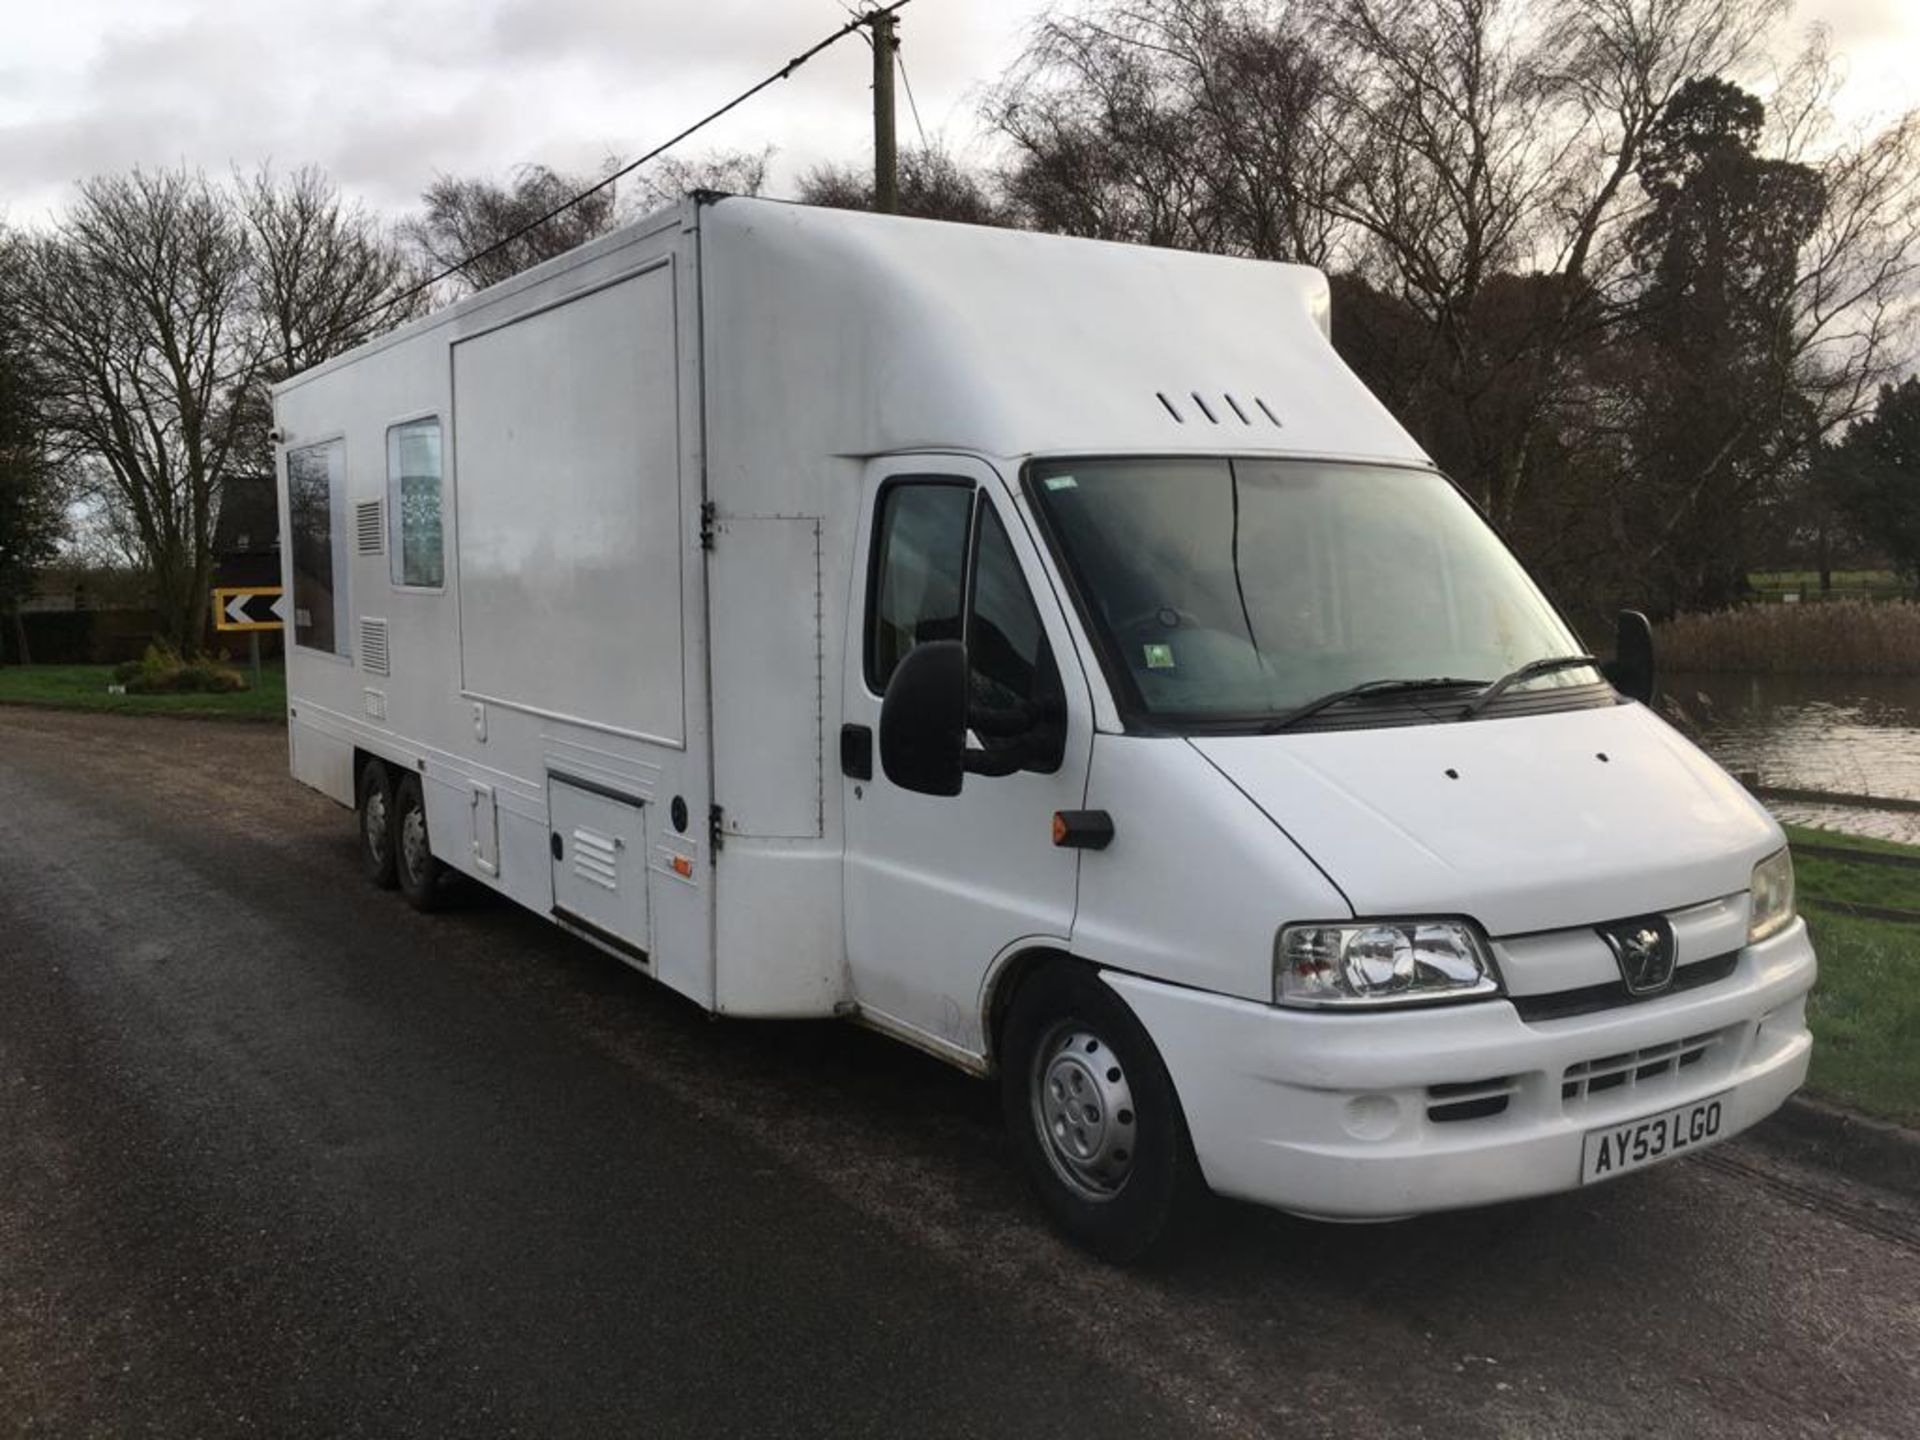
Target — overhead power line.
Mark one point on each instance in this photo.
(861, 21)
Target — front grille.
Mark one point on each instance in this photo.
(1560, 1004)
(1634, 1068)
(1470, 1099)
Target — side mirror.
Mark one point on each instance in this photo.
(923, 719)
(1631, 670)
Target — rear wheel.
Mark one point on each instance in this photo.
(1093, 1115)
(420, 876)
(375, 815)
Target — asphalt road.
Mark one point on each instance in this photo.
(279, 1156)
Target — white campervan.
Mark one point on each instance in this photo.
(1048, 653)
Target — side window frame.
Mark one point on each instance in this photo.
(339, 551)
(876, 557)
(983, 511)
(1048, 677)
(396, 520)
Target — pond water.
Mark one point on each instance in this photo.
(1850, 734)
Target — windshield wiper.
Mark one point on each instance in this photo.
(1527, 671)
(1371, 687)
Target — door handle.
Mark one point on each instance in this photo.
(856, 752)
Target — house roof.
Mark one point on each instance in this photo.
(249, 519)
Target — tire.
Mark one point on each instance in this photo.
(1123, 1179)
(420, 876)
(373, 812)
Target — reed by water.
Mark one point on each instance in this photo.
(1838, 637)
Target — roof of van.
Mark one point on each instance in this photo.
(888, 334)
(1011, 342)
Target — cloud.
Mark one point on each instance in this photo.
(385, 94)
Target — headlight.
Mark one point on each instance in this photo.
(1380, 962)
(1770, 897)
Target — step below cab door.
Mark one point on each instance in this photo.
(938, 887)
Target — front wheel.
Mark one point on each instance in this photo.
(420, 875)
(1093, 1115)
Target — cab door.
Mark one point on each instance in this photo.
(938, 886)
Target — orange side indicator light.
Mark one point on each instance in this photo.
(1082, 829)
(683, 867)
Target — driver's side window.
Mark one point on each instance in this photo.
(927, 583)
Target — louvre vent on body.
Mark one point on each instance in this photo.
(370, 527)
(596, 858)
(1221, 409)
(373, 647)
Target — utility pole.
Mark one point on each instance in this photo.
(886, 172)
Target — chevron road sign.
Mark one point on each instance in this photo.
(250, 607)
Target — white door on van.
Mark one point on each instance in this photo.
(937, 887)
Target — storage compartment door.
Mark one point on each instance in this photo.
(599, 846)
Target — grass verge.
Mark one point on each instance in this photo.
(1848, 582)
(84, 687)
(1865, 1013)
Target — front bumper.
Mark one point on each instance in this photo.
(1377, 1116)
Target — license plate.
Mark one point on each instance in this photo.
(1635, 1143)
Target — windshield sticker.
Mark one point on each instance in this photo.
(1061, 482)
(1159, 657)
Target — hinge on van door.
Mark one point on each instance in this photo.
(716, 822)
(707, 516)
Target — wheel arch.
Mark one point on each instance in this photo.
(1009, 972)
(362, 758)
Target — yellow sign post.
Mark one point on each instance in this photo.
(248, 607)
(251, 608)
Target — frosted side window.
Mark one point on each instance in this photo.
(413, 504)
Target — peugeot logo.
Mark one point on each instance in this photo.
(1644, 950)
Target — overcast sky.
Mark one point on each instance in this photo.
(386, 93)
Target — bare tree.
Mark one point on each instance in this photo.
(933, 186)
(325, 276)
(670, 179)
(32, 505)
(141, 306)
(158, 307)
(328, 275)
(478, 228)
(484, 231)
(1198, 124)
(1103, 140)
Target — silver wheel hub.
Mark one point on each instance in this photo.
(413, 841)
(1083, 1109)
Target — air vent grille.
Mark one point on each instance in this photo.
(373, 647)
(370, 527)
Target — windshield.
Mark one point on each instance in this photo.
(1238, 590)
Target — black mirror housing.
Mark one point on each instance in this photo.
(1631, 670)
(923, 719)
